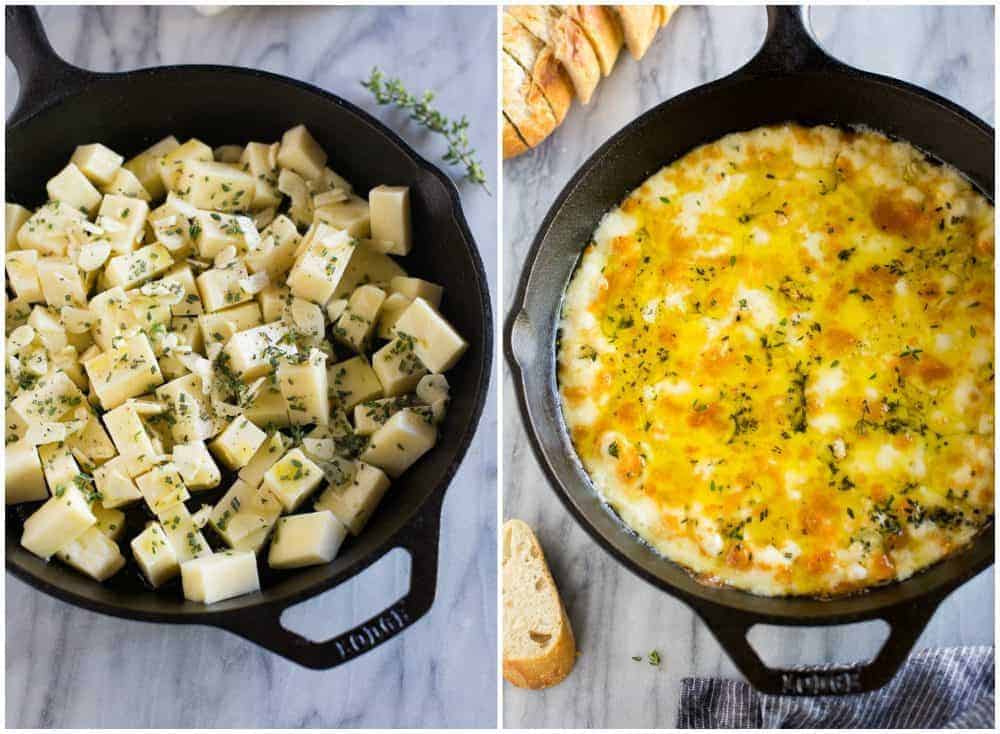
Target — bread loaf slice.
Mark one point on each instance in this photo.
(539, 63)
(572, 48)
(524, 103)
(666, 13)
(639, 26)
(538, 646)
(513, 143)
(601, 29)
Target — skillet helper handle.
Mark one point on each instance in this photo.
(263, 626)
(906, 624)
(789, 44)
(43, 75)
(522, 342)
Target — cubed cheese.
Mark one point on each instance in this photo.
(134, 268)
(292, 479)
(397, 366)
(268, 409)
(352, 216)
(304, 387)
(154, 555)
(15, 216)
(260, 160)
(306, 540)
(253, 352)
(189, 408)
(123, 220)
(196, 466)
(71, 187)
(356, 324)
(126, 183)
(300, 152)
(403, 439)
(47, 230)
(267, 454)
(171, 164)
(353, 381)
(110, 522)
(52, 399)
(97, 162)
(61, 283)
(220, 576)
(22, 274)
(162, 488)
(60, 468)
(115, 484)
(145, 166)
(130, 437)
(218, 327)
(244, 510)
(435, 341)
(390, 218)
(217, 186)
(224, 287)
(237, 444)
(128, 370)
(355, 496)
(416, 288)
(58, 522)
(94, 554)
(182, 533)
(23, 477)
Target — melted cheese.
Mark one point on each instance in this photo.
(776, 361)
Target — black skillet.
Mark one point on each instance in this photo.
(61, 106)
(790, 78)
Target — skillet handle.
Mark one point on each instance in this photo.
(43, 75)
(789, 45)
(262, 625)
(906, 624)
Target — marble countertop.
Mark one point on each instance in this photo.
(70, 668)
(615, 614)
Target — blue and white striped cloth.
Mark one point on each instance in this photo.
(943, 688)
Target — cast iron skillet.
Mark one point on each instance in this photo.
(790, 78)
(61, 106)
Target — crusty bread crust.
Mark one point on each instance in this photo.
(552, 663)
(571, 47)
(537, 60)
(602, 30)
(524, 103)
(639, 26)
(513, 143)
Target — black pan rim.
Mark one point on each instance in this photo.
(707, 597)
(272, 599)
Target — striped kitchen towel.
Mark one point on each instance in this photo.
(942, 688)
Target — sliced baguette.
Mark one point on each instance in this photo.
(571, 46)
(601, 29)
(538, 62)
(524, 103)
(639, 26)
(513, 143)
(666, 13)
(538, 646)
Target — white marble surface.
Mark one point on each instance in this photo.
(615, 614)
(70, 668)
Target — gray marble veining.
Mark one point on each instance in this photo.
(71, 668)
(615, 614)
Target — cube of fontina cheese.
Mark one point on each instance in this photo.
(154, 555)
(435, 341)
(237, 444)
(129, 369)
(246, 509)
(354, 498)
(307, 539)
(401, 440)
(292, 479)
(56, 523)
(94, 554)
(220, 576)
(23, 476)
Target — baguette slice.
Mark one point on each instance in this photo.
(602, 31)
(538, 646)
(639, 26)
(524, 104)
(666, 13)
(537, 60)
(571, 46)
(513, 143)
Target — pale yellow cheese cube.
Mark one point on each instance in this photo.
(321, 265)
(190, 304)
(190, 409)
(182, 534)
(353, 499)
(97, 162)
(397, 366)
(275, 253)
(23, 477)
(417, 288)
(253, 352)
(130, 437)
(171, 164)
(244, 510)
(356, 324)
(113, 481)
(390, 218)
(123, 220)
(134, 268)
(260, 160)
(58, 522)
(94, 554)
(352, 216)
(273, 300)
(267, 454)
(372, 415)
(353, 381)
(128, 370)
(306, 540)
(162, 488)
(154, 555)
(218, 327)
(220, 576)
(188, 334)
(253, 542)
(268, 409)
(71, 187)
(145, 166)
(300, 152)
(126, 183)
(435, 341)
(292, 479)
(196, 466)
(61, 283)
(222, 187)
(92, 442)
(304, 387)
(47, 230)
(51, 399)
(15, 216)
(403, 439)
(22, 274)
(221, 288)
(237, 444)
(59, 466)
(110, 522)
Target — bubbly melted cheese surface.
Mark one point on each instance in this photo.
(776, 361)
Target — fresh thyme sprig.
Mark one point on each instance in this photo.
(421, 109)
